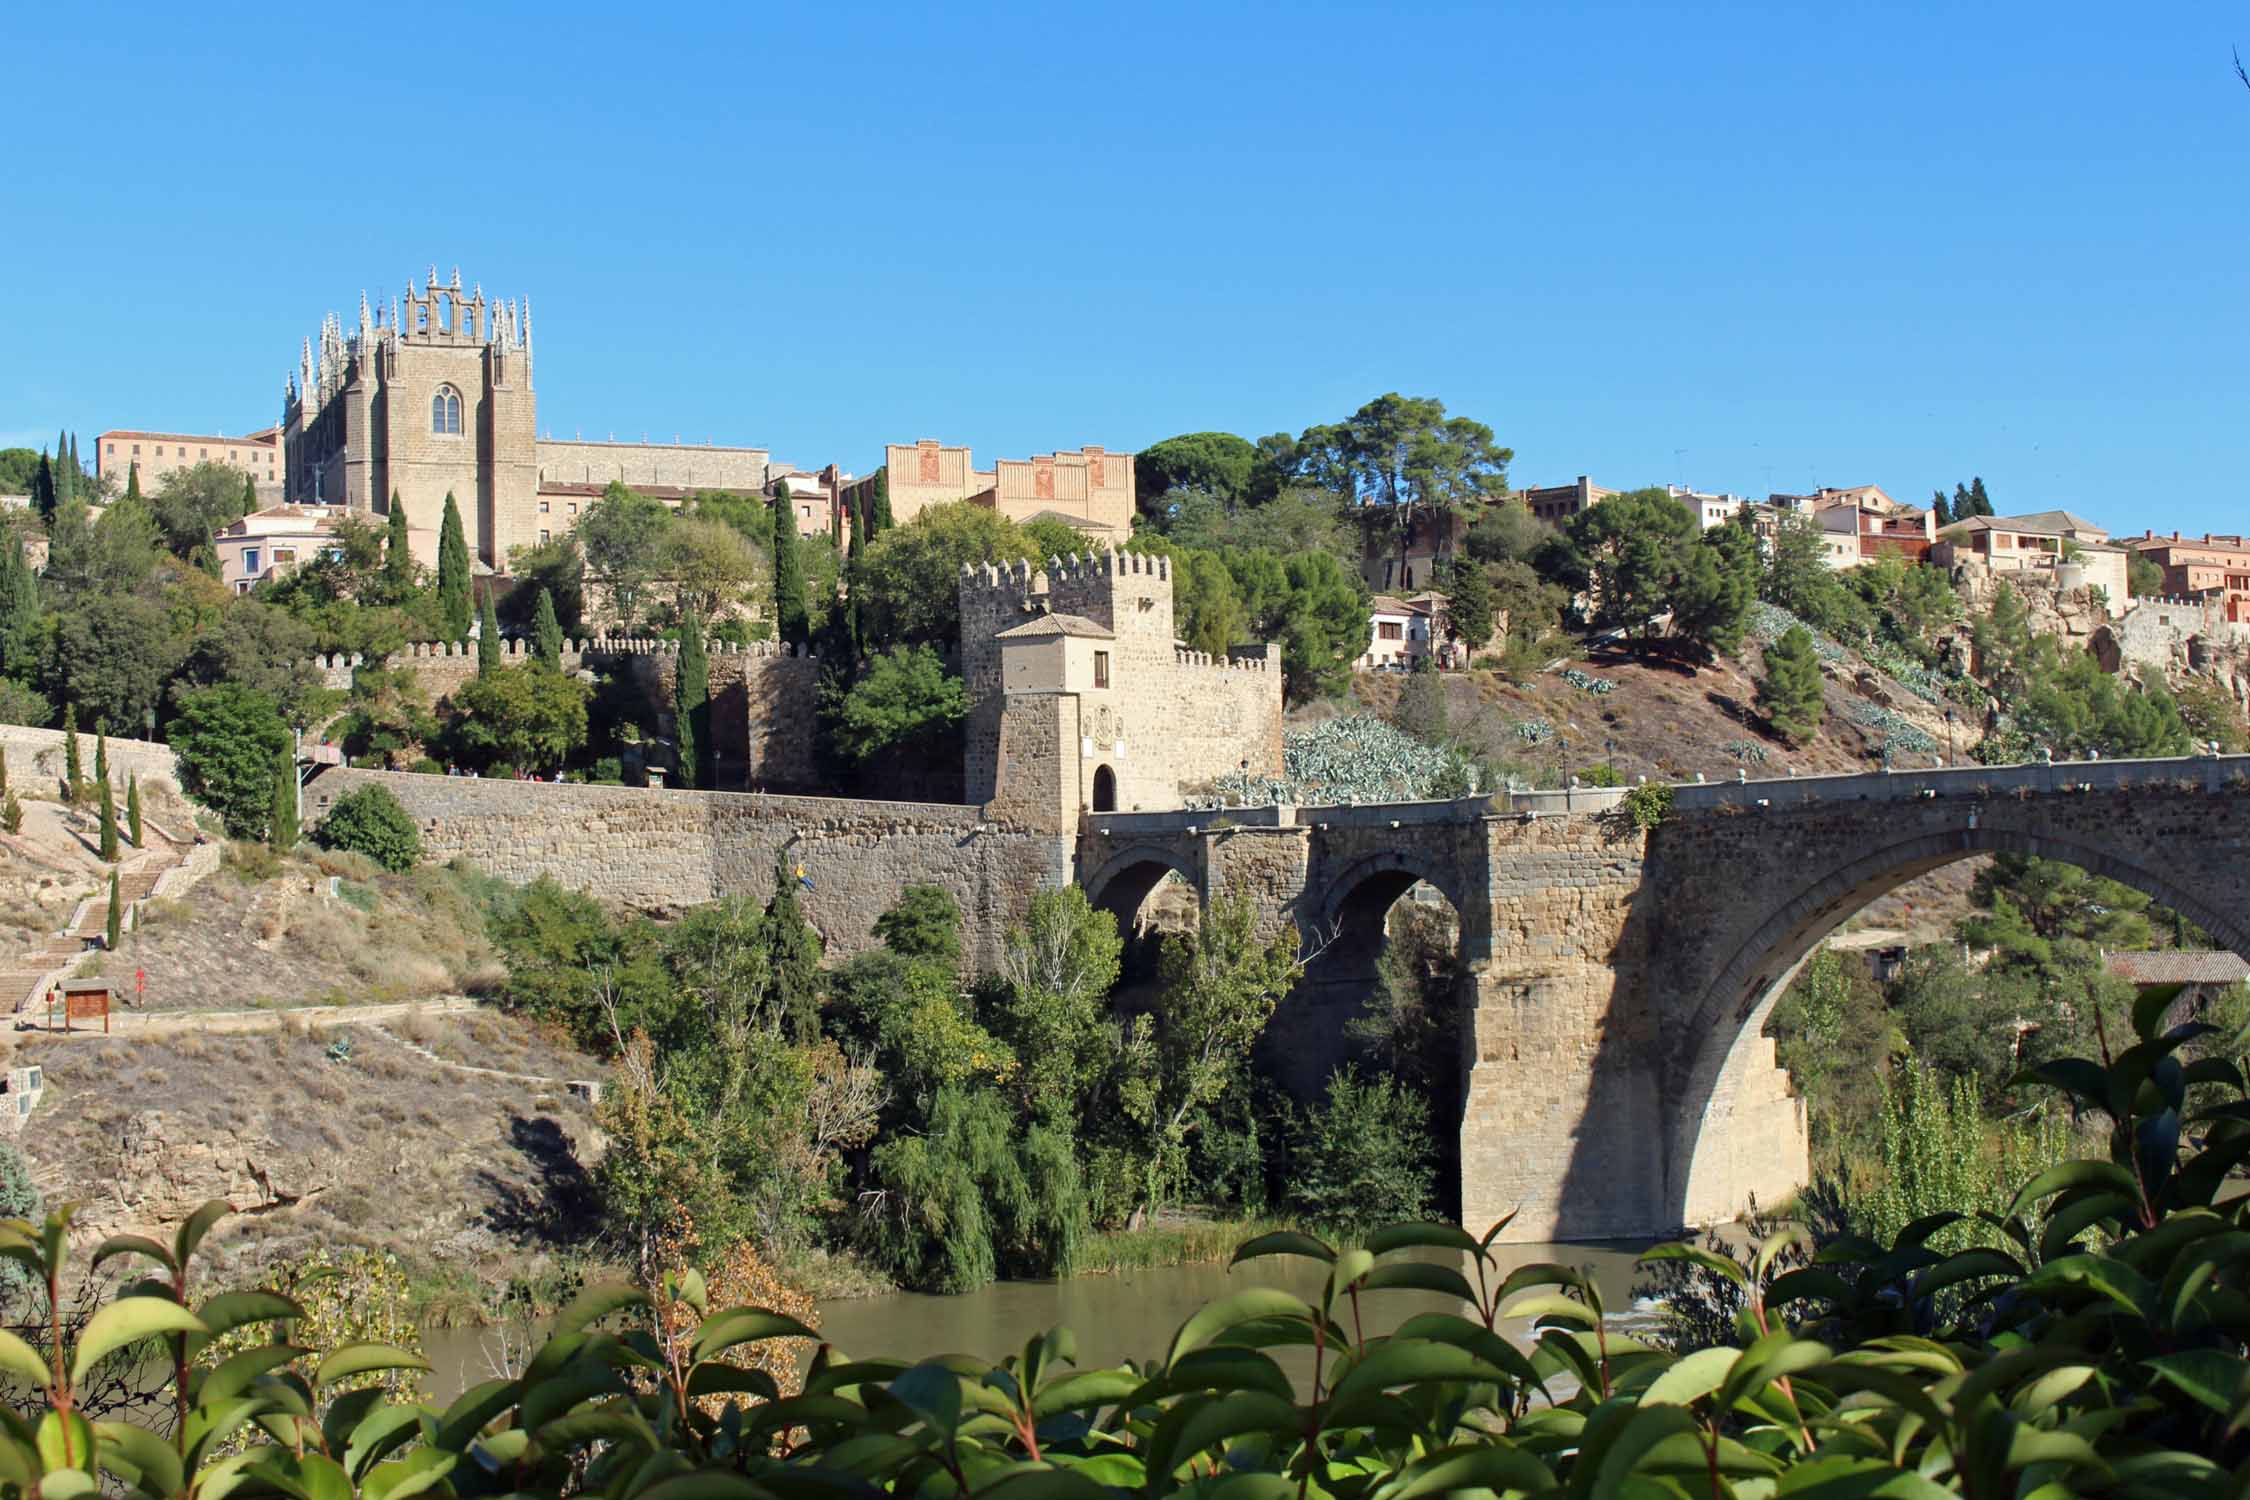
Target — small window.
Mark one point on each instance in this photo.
(1101, 669)
(202, 453)
(284, 555)
(113, 450)
(445, 411)
(249, 559)
(574, 507)
(544, 536)
(1388, 630)
(542, 507)
(136, 450)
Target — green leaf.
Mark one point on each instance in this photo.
(1283, 1242)
(66, 1484)
(1397, 1362)
(1846, 1477)
(2074, 1218)
(703, 1484)
(1093, 1388)
(1631, 1441)
(1198, 1424)
(1420, 1276)
(1031, 1483)
(713, 1379)
(2081, 1173)
(155, 1467)
(739, 1325)
(134, 1244)
(2205, 1375)
(404, 1477)
(1551, 1305)
(1228, 1312)
(1467, 1468)
(128, 1320)
(1692, 1378)
(1967, 1265)
(2084, 1081)
(934, 1393)
(1223, 1368)
(2113, 1279)
(1696, 1255)
(66, 1441)
(597, 1302)
(19, 1359)
(231, 1310)
(195, 1227)
(360, 1358)
(1420, 1237)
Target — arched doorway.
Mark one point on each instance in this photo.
(1722, 1079)
(1105, 789)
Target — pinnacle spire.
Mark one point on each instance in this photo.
(457, 278)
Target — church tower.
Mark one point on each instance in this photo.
(435, 400)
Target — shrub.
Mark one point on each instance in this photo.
(370, 821)
(231, 742)
(1362, 1156)
(1649, 805)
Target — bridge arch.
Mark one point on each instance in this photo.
(1727, 1018)
(1123, 884)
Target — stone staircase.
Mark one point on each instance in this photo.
(25, 976)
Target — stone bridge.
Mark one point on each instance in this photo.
(1617, 981)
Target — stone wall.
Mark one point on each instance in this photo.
(39, 753)
(686, 466)
(664, 851)
(763, 696)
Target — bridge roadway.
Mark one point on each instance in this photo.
(1616, 980)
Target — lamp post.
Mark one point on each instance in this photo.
(1610, 747)
(1949, 735)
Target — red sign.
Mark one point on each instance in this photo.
(140, 983)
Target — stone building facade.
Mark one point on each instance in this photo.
(435, 397)
(1083, 700)
(1091, 489)
(256, 455)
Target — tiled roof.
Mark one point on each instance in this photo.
(2179, 966)
(264, 439)
(1077, 625)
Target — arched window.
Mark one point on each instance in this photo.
(445, 411)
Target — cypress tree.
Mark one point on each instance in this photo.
(101, 749)
(1941, 512)
(398, 552)
(77, 470)
(791, 620)
(133, 482)
(691, 704)
(3, 774)
(11, 814)
(881, 521)
(133, 812)
(488, 639)
(74, 770)
(43, 489)
(795, 950)
(453, 573)
(546, 630)
(249, 494)
(65, 490)
(1791, 695)
(1979, 498)
(19, 607)
(109, 823)
(281, 827)
(115, 927)
(851, 551)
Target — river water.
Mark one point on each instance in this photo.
(1128, 1316)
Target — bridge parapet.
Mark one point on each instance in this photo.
(2197, 772)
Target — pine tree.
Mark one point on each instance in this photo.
(74, 770)
(19, 608)
(1963, 506)
(115, 927)
(1942, 512)
(794, 946)
(1979, 498)
(453, 573)
(546, 630)
(488, 639)
(109, 823)
(133, 812)
(43, 489)
(691, 705)
(1791, 694)
(792, 622)
(281, 826)
(881, 522)
(398, 552)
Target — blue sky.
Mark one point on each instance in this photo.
(1750, 247)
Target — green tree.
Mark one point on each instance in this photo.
(44, 498)
(19, 470)
(19, 1199)
(19, 609)
(1407, 465)
(794, 949)
(879, 517)
(1321, 621)
(229, 740)
(906, 702)
(1506, 532)
(1362, 1156)
(1058, 966)
(1218, 464)
(1791, 694)
(398, 552)
(262, 646)
(528, 716)
(191, 505)
(1469, 616)
(132, 809)
(691, 707)
(909, 579)
(791, 622)
(453, 573)
(1421, 710)
(101, 749)
(281, 822)
(1218, 988)
(1941, 512)
(488, 638)
(371, 822)
(622, 534)
(11, 814)
(109, 851)
(2143, 578)
(74, 767)
(113, 927)
(925, 924)
(546, 631)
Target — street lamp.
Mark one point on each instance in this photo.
(1611, 747)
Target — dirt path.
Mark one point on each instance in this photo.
(159, 1023)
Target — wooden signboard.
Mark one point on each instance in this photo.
(81, 1000)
